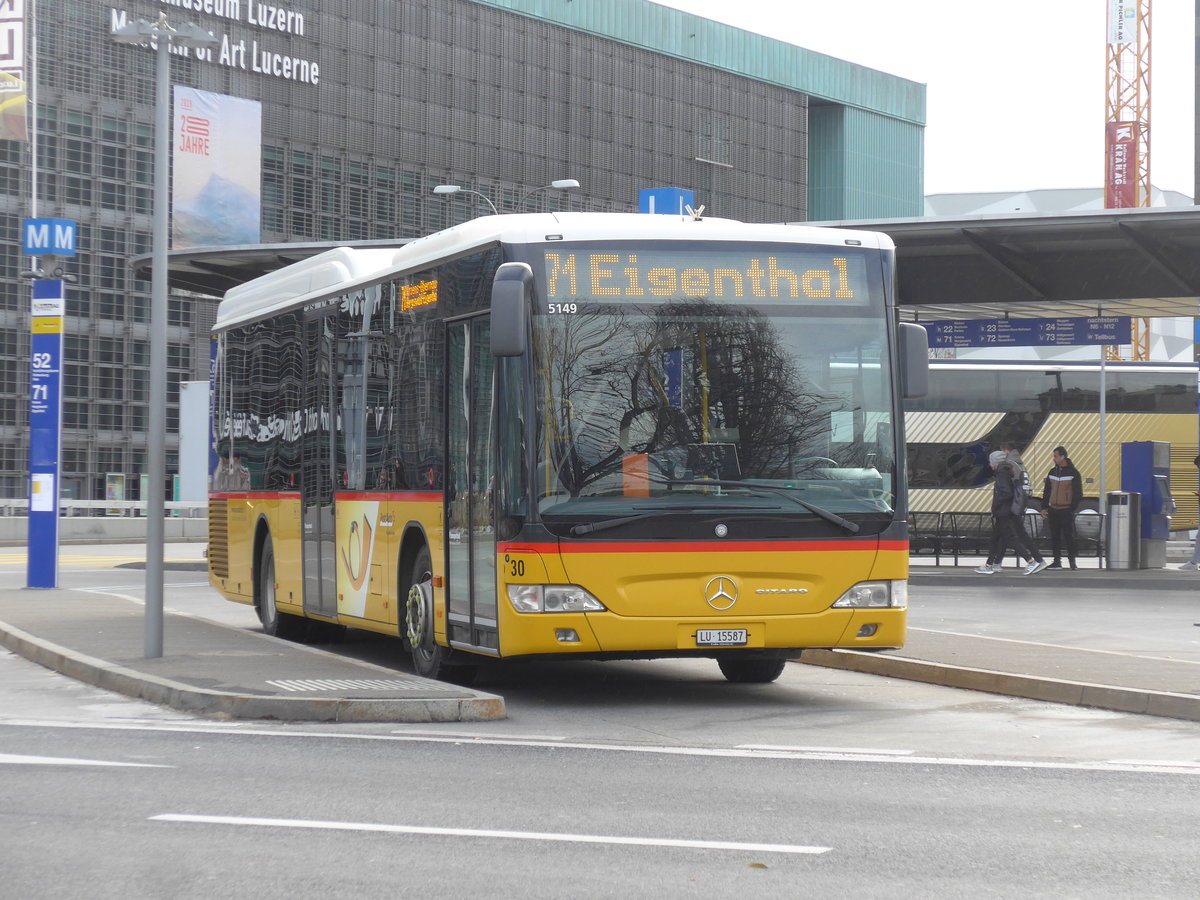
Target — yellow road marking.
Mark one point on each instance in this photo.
(103, 562)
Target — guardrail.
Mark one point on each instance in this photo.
(90, 521)
(956, 534)
(194, 509)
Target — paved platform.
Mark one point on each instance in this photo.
(1120, 640)
(215, 670)
(1124, 640)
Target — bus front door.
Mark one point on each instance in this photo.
(470, 500)
(317, 468)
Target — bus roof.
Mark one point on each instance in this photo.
(346, 269)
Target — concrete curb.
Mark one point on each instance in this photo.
(228, 705)
(1073, 693)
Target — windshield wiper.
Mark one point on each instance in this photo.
(591, 527)
(825, 514)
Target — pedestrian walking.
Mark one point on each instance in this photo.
(1194, 563)
(1062, 492)
(1008, 508)
(1022, 484)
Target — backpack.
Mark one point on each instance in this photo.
(1026, 486)
(1022, 488)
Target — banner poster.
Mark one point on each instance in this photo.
(1121, 165)
(216, 170)
(114, 489)
(13, 124)
(1122, 21)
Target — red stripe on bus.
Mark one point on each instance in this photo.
(412, 496)
(255, 495)
(707, 547)
(402, 496)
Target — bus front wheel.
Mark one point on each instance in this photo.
(751, 671)
(274, 622)
(429, 657)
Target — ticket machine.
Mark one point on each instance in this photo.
(1146, 470)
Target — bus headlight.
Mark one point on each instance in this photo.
(875, 595)
(552, 598)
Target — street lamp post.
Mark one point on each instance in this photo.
(562, 184)
(160, 36)
(455, 189)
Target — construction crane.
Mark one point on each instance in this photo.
(1127, 128)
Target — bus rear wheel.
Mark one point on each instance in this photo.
(429, 657)
(751, 671)
(274, 622)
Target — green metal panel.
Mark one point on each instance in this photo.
(683, 35)
(862, 165)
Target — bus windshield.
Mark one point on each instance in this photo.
(711, 378)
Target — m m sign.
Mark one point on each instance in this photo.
(49, 237)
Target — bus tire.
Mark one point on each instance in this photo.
(429, 657)
(751, 671)
(274, 622)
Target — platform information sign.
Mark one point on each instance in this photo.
(45, 420)
(1029, 332)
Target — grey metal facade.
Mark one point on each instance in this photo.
(499, 97)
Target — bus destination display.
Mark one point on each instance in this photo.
(779, 275)
(1029, 332)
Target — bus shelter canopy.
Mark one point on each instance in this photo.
(1131, 262)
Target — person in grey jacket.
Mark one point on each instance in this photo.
(1062, 492)
(1008, 505)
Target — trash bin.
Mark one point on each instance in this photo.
(1123, 531)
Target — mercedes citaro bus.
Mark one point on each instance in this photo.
(571, 435)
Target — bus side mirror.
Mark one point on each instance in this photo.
(510, 308)
(914, 360)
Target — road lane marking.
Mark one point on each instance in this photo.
(989, 637)
(1185, 767)
(13, 759)
(317, 685)
(868, 751)
(467, 736)
(491, 833)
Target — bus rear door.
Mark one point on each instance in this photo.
(317, 466)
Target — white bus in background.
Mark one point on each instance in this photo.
(973, 406)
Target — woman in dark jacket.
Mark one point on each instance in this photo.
(1061, 495)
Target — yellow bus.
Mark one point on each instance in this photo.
(571, 435)
(973, 406)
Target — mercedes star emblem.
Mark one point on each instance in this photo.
(721, 592)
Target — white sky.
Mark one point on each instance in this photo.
(1015, 91)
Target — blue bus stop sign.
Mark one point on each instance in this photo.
(45, 429)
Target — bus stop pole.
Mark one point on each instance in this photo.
(1103, 442)
(156, 450)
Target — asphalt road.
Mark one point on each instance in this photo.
(607, 779)
(236, 811)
